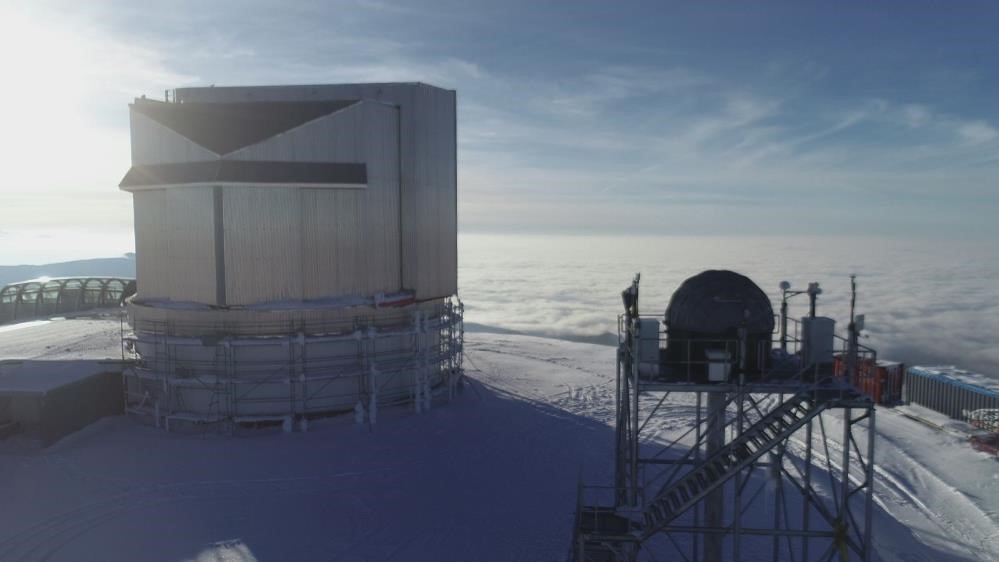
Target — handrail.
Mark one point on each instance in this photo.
(860, 347)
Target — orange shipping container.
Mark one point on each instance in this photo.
(882, 381)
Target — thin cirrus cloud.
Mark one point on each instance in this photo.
(738, 144)
(63, 112)
(572, 126)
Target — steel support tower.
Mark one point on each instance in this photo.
(780, 468)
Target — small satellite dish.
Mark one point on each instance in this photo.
(784, 285)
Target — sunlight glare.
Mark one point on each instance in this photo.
(61, 74)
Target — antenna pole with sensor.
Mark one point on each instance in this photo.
(854, 328)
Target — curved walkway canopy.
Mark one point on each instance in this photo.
(47, 296)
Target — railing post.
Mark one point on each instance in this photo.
(635, 359)
(783, 323)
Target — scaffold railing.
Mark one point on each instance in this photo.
(292, 377)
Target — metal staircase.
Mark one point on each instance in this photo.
(682, 494)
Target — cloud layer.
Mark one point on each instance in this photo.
(924, 302)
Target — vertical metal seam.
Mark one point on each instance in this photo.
(398, 159)
(454, 98)
(220, 296)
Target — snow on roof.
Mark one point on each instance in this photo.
(42, 376)
(960, 376)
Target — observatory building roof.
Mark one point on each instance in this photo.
(327, 174)
(227, 127)
(716, 301)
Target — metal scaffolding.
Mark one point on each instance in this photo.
(291, 377)
(755, 475)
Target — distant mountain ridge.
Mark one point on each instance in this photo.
(123, 266)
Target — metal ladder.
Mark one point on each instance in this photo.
(677, 497)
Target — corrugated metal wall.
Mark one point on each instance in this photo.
(263, 244)
(290, 243)
(427, 145)
(429, 200)
(947, 396)
(153, 143)
(336, 263)
(175, 254)
(175, 257)
(349, 239)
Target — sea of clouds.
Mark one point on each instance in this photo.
(926, 302)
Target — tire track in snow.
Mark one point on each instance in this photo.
(522, 354)
(901, 494)
(892, 489)
(46, 538)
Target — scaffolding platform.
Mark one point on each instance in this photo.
(282, 371)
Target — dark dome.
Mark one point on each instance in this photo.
(714, 303)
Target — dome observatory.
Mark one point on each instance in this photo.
(296, 251)
(706, 314)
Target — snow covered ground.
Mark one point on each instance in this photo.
(92, 335)
(491, 475)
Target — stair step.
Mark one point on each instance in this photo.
(771, 428)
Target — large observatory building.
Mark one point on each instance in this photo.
(296, 251)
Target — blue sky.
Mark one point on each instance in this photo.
(658, 117)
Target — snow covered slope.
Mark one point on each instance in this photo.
(490, 476)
